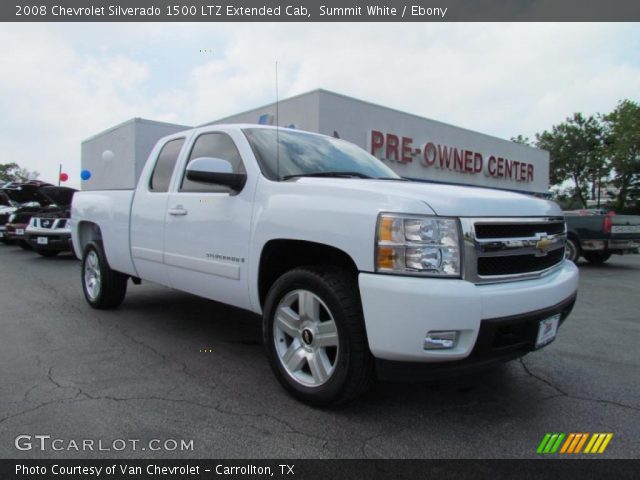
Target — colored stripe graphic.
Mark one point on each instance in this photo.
(543, 443)
(572, 443)
(568, 442)
(598, 442)
(550, 443)
(581, 443)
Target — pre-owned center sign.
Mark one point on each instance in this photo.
(485, 163)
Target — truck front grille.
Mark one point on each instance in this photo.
(507, 249)
(516, 264)
(492, 230)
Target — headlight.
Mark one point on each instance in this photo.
(413, 245)
(32, 222)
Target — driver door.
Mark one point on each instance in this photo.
(207, 229)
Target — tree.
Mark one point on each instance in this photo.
(522, 140)
(623, 149)
(576, 148)
(12, 172)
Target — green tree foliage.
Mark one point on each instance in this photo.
(12, 172)
(576, 148)
(521, 140)
(622, 128)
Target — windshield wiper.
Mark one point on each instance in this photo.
(328, 174)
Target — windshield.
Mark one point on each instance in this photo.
(301, 154)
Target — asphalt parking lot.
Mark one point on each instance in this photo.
(142, 372)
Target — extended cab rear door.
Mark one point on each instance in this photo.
(207, 227)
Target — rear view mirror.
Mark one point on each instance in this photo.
(216, 171)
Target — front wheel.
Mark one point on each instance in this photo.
(315, 337)
(572, 250)
(103, 287)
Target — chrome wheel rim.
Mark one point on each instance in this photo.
(306, 338)
(92, 278)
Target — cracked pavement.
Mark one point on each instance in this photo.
(138, 373)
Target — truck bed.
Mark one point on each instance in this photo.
(111, 209)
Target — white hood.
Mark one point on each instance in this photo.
(447, 200)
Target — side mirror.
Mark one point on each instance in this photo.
(216, 171)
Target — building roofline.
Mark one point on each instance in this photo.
(134, 121)
(267, 105)
(372, 104)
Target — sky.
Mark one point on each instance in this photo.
(61, 83)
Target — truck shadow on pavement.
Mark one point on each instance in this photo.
(183, 326)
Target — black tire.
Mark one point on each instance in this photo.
(572, 250)
(46, 253)
(112, 285)
(596, 258)
(353, 364)
(23, 244)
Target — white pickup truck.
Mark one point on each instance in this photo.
(356, 272)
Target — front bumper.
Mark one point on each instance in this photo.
(400, 310)
(49, 239)
(15, 231)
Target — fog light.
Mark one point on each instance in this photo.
(440, 340)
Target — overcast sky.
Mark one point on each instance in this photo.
(61, 83)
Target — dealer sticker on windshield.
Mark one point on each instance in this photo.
(547, 330)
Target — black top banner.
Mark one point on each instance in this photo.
(320, 11)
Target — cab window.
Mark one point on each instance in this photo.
(216, 145)
(162, 171)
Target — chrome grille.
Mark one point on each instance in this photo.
(507, 249)
(50, 223)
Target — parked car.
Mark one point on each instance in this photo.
(49, 229)
(356, 272)
(7, 207)
(596, 237)
(25, 199)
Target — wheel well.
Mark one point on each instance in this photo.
(280, 256)
(88, 232)
(573, 236)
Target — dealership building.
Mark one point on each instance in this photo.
(414, 147)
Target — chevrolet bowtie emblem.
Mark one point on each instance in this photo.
(543, 245)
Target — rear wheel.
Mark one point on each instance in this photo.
(47, 253)
(572, 250)
(103, 287)
(597, 258)
(315, 337)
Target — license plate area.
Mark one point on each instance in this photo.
(43, 241)
(547, 330)
(19, 231)
(625, 229)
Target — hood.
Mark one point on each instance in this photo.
(26, 192)
(446, 200)
(60, 196)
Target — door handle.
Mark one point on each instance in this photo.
(178, 210)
